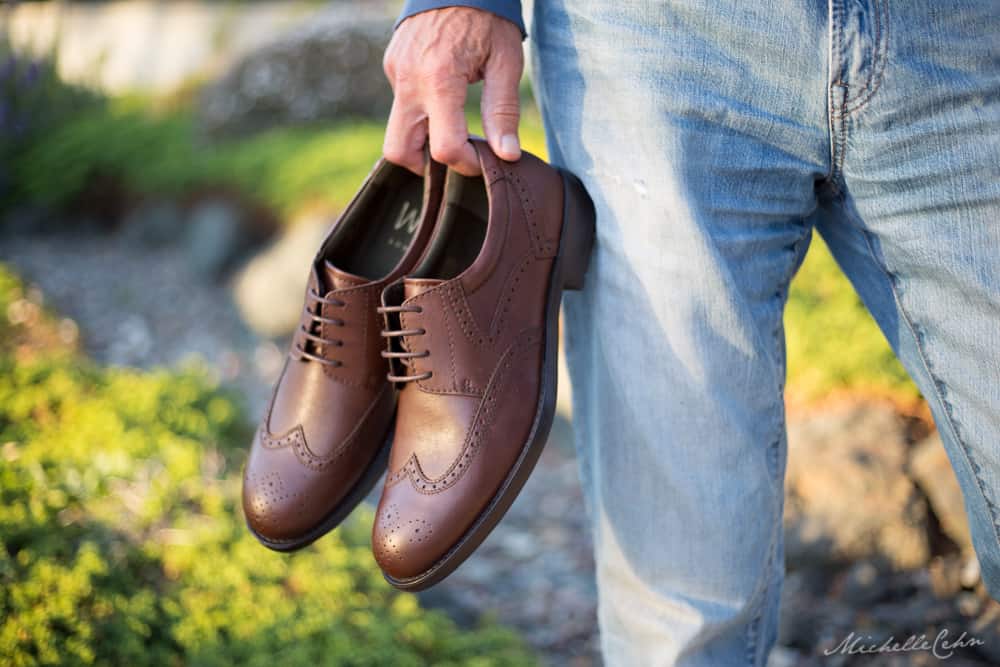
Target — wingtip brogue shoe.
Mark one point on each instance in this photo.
(324, 439)
(472, 336)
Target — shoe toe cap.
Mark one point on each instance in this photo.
(405, 541)
(275, 510)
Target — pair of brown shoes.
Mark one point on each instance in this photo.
(453, 285)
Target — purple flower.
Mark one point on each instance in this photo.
(31, 74)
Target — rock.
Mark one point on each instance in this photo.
(520, 546)
(971, 574)
(782, 656)
(329, 69)
(847, 493)
(968, 604)
(946, 575)
(269, 289)
(987, 628)
(213, 236)
(154, 223)
(932, 471)
(864, 584)
(133, 342)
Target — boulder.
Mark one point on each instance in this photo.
(154, 223)
(932, 471)
(269, 289)
(218, 231)
(328, 69)
(848, 496)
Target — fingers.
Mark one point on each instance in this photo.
(431, 59)
(433, 104)
(501, 105)
(437, 110)
(405, 135)
(449, 131)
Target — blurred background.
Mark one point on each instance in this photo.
(167, 170)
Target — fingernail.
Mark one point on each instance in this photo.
(510, 145)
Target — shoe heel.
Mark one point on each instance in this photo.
(577, 231)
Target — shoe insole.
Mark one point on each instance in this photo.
(460, 231)
(382, 228)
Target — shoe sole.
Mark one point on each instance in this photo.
(358, 493)
(575, 244)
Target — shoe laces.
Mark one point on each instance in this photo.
(405, 357)
(312, 309)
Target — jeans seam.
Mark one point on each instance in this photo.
(834, 85)
(935, 381)
(880, 56)
(840, 123)
(758, 601)
(782, 296)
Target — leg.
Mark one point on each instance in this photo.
(913, 217)
(699, 128)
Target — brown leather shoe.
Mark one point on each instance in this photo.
(323, 442)
(473, 339)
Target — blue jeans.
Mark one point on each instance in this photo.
(714, 136)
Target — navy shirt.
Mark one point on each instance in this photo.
(508, 9)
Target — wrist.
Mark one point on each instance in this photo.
(509, 10)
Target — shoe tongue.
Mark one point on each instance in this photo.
(334, 278)
(415, 286)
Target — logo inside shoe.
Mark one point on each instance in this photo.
(408, 218)
(404, 226)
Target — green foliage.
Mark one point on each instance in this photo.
(121, 540)
(33, 100)
(833, 342)
(161, 153)
(27, 328)
(10, 292)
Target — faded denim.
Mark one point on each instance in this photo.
(714, 136)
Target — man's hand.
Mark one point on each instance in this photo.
(430, 62)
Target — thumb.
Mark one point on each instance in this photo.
(501, 105)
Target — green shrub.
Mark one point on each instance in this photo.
(160, 153)
(33, 100)
(27, 328)
(833, 342)
(122, 543)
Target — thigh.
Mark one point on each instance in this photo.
(915, 223)
(700, 148)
